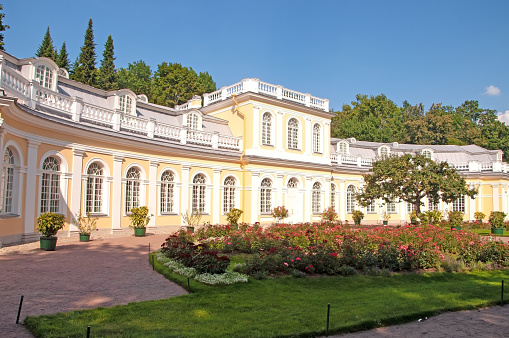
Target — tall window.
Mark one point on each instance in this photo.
(94, 188)
(350, 198)
(333, 196)
(316, 139)
(391, 208)
(132, 189)
(384, 151)
(199, 193)
(293, 134)
(7, 182)
(125, 103)
(292, 183)
(371, 209)
(409, 208)
(192, 121)
(426, 153)
(267, 129)
(266, 196)
(459, 204)
(167, 192)
(431, 205)
(343, 148)
(50, 185)
(229, 194)
(316, 198)
(44, 76)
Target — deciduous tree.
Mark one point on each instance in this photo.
(137, 77)
(174, 84)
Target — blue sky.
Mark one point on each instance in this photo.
(420, 51)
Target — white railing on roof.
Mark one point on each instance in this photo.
(460, 166)
(229, 142)
(11, 80)
(52, 99)
(182, 106)
(487, 166)
(257, 86)
(167, 131)
(97, 114)
(199, 137)
(132, 123)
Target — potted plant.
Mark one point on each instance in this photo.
(329, 216)
(386, 217)
(455, 220)
(497, 222)
(232, 217)
(85, 225)
(357, 216)
(479, 216)
(191, 220)
(280, 213)
(139, 220)
(48, 225)
(413, 218)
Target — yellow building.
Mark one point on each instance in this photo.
(252, 145)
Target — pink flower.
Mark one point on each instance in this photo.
(286, 264)
(298, 259)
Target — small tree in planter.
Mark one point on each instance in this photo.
(48, 225)
(413, 218)
(191, 220)
(280, 213)
(139, 220)
(357, 216)
(431, 217)
(329, 216)
(479, 216)
(455, 219)
(497, 222)
(386, 216)
(85, 225)
(233, 217)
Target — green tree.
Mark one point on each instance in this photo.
(410, 178)
(63, 58)
(206, 82)
(107, 69)
(84, 69)
(46, 48)
(137, 77)
(174, 84)
(3, 28)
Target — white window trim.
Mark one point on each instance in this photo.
(208, 192)
(107, 179)
(177, 185)
(200, 119)
(237, 187)
(53, 69)
(64, 177)
(272, 196)
(320, 138)
(272, 125)
(143, 187)
(17, 180)
(299, 134)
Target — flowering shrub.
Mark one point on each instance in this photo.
(329, 215)
(280, 213)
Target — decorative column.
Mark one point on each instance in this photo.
(216, 196)
(31, 192)
(184, 202)
(307, 137)
(471, 204)
(116, 207)
(402, 210)
(279, 189)
(327, 192)
(255, 178)
(256, 127)
(342, 201)
(281, 127)
(479, 202)
(152, 193)
(326, 141)
(77, 170)
(496, 201)
(307, 199)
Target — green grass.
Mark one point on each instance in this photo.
(282, 307)
(487, 232)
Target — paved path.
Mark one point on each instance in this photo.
(102, 272)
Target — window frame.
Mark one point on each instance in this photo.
(229, 194)
(95, 180)
(265, 199)
(167, 193)
(293, 134)
(317, 138)
(316, 198)
(199, 194)
(131, 185)
(351, 203)
(267, 130)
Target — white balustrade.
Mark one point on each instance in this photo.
(199, 137)
(97, 114)
(267, 88)
(131, 123)
(49, 98)
(167, 131)
(184, 106)
(229, 142)
(334, 158)
(294, 96)
(15, 82)
(486, 166)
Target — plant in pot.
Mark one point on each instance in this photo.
(329, 216)
(357, 216)
(479, 216)
(191, 220)
(280, 213)
(139, 220)
(497, 222)
(85, 225)
(386, 217)
(48, 225)
(455, 219)
(413, 218)
(232, 217)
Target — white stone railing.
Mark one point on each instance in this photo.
(53, 99)
(132, 123)
(98, 114)
(257, 86)
(168, 131)
(15, 82)
(229, 142)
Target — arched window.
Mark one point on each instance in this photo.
(44, 76)
(50, 185)
(383, 151)
(125, 103)
(317, 138)
(333, 196)
(132, 189)
(192, 121)
(229, 194)
(343, 148)
(427, 153)
(167, 192)
(292, 183)
(350, 199)
(316, 198)
(7, 191)
(293, 134)
(199, 193)
(266, 196)
(459, 204)
(94, 198)
(267, 129)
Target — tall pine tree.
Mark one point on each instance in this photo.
(3, 28)
(46, 49)
(84, 68)
(107, 70)
(63, 58)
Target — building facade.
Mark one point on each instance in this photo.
(69, 147)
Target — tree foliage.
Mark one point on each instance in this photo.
(411, 178)
(46, 48)
(137, 77)
(174, 84)
(3, 28)
(106, 78)
(63, 58)
(84, 69)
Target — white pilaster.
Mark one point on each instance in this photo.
(402, 210)
(326, 141)
(31, 193)
(471, 205)
(281, 128)
(479, 200)
(216, 196)
(117, 202)
(307, 199)
(496, 201)
(184, 204)
(327, 192)
(256, 127)
(77, 170)
(152, 193)
(279, 189)
(342, 200)
(307, 137)
(255, 178)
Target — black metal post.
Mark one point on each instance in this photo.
(149, 249)
(188, 286)
(88, 331)
(19, 309)
(153, 264)
(328, 313)
(502, 294)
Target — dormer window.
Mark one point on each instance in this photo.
(192, 121)
(384, 151)
(44, 76)
(499, 156)
(428, 153)
(342, 148)
(125, 104)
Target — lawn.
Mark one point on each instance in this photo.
(282, 307)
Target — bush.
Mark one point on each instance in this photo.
(479, 216)
(497, 219)
(49, 223)
(455, 218)
(139, 217)
(433, 217)
(233, 216)
(329, 215)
